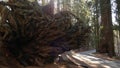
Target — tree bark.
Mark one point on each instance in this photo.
(97, 12)
(118, 14)
(106, 40)
(58, 5)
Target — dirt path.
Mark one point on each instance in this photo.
(88, 60)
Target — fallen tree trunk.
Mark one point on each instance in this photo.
(34, 38)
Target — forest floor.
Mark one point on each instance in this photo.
(88, 59)
(76, 59)
(85, 59)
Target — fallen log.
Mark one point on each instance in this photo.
(34, 38)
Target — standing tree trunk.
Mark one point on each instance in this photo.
(97, 34)
(118, 14)
(43, 2)
(58, 5)
(106, 40)
(63, 5)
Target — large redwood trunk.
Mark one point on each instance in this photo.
(106, 40)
